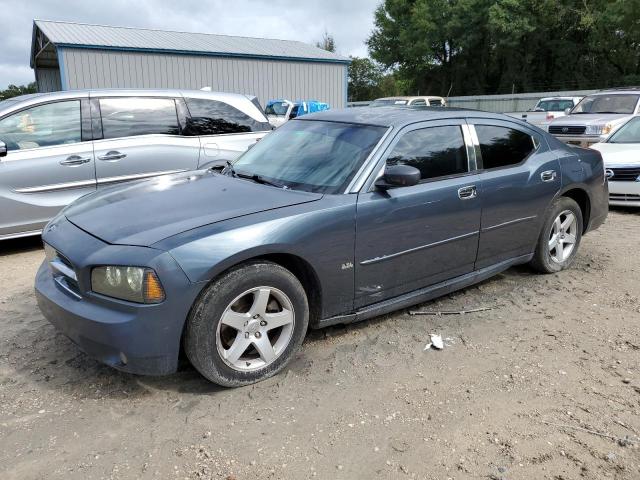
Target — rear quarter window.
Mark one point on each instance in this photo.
(212, 117)
(502, 146)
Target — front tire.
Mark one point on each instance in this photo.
(247, 324)
(560, 237)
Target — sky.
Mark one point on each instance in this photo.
(349, 21)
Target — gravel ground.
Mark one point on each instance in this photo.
(544, 386)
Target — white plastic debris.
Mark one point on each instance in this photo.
(436, 342)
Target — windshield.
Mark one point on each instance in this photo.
(314, 156)
(628, 133)
(279, 109)
(385, 102)
(615, 103)
(553, 105)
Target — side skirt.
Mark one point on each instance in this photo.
(30, 233)
(424, 294)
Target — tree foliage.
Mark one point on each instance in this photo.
(327, 43)
(499, 46)
(369, 80)
(15, 90)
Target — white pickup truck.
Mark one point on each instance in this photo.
(549, 108)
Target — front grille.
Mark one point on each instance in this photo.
(63, 271)
(624, 174)
(567, 130)
(624, 197)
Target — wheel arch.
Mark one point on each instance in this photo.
(298, 266)
(581, 197)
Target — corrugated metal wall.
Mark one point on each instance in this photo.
(518, 102)
(267, 79)
(48, 79)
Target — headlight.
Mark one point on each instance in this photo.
(135, 284)
(606, 130)
(594, 129)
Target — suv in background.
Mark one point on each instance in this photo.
(424, 101)
(596, 116)
(549, 108)
(59, 146)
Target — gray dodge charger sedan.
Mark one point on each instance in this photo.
(333, 218)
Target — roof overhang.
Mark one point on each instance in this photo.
(43, 52)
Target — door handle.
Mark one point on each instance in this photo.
(466, 193)
(548, 176)
(75, 160)
(112, 156)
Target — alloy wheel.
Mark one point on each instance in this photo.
(563, 236)
(255, 328)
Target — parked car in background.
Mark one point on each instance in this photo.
(59, 146)
(280, 111)
(335, 217)
(420, 101)
(303, 107)
(549, 108)
(621, 154)
(596, 116)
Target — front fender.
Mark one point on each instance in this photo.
(321, 233)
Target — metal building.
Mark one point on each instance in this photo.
(68, 56)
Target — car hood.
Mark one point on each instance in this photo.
(590, 119)
(619, 153)
(143, 213)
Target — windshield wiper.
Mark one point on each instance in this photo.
(229, 169)
(258, 179)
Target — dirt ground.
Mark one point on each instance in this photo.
(544, 386)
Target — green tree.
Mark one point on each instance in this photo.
(364, 79)
(499, 46)
(327, 43)
(15, 90)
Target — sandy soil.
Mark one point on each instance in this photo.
(511, 396)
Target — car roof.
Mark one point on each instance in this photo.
(619, 91)
(547, 99)
(399, 116)
(238, 100)
(416, 97)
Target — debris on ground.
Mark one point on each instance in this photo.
(435, 342)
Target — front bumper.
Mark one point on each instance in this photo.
(624, 194)
(135, 338)
(584, 141)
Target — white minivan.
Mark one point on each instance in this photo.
(56, 147)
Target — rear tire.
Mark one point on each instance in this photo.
(560, 237)
(247, 324)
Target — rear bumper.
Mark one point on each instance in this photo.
(135, 338)
(624, 194)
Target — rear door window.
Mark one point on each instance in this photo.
(42, 126)
(132, 116)
(212, 117)
(435, 151)
(503, 146)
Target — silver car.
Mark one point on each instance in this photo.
(59, 146)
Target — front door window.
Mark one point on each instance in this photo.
(42, 126)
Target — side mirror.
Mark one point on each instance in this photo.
(567, 111)
(3, 149)
(398, 176)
